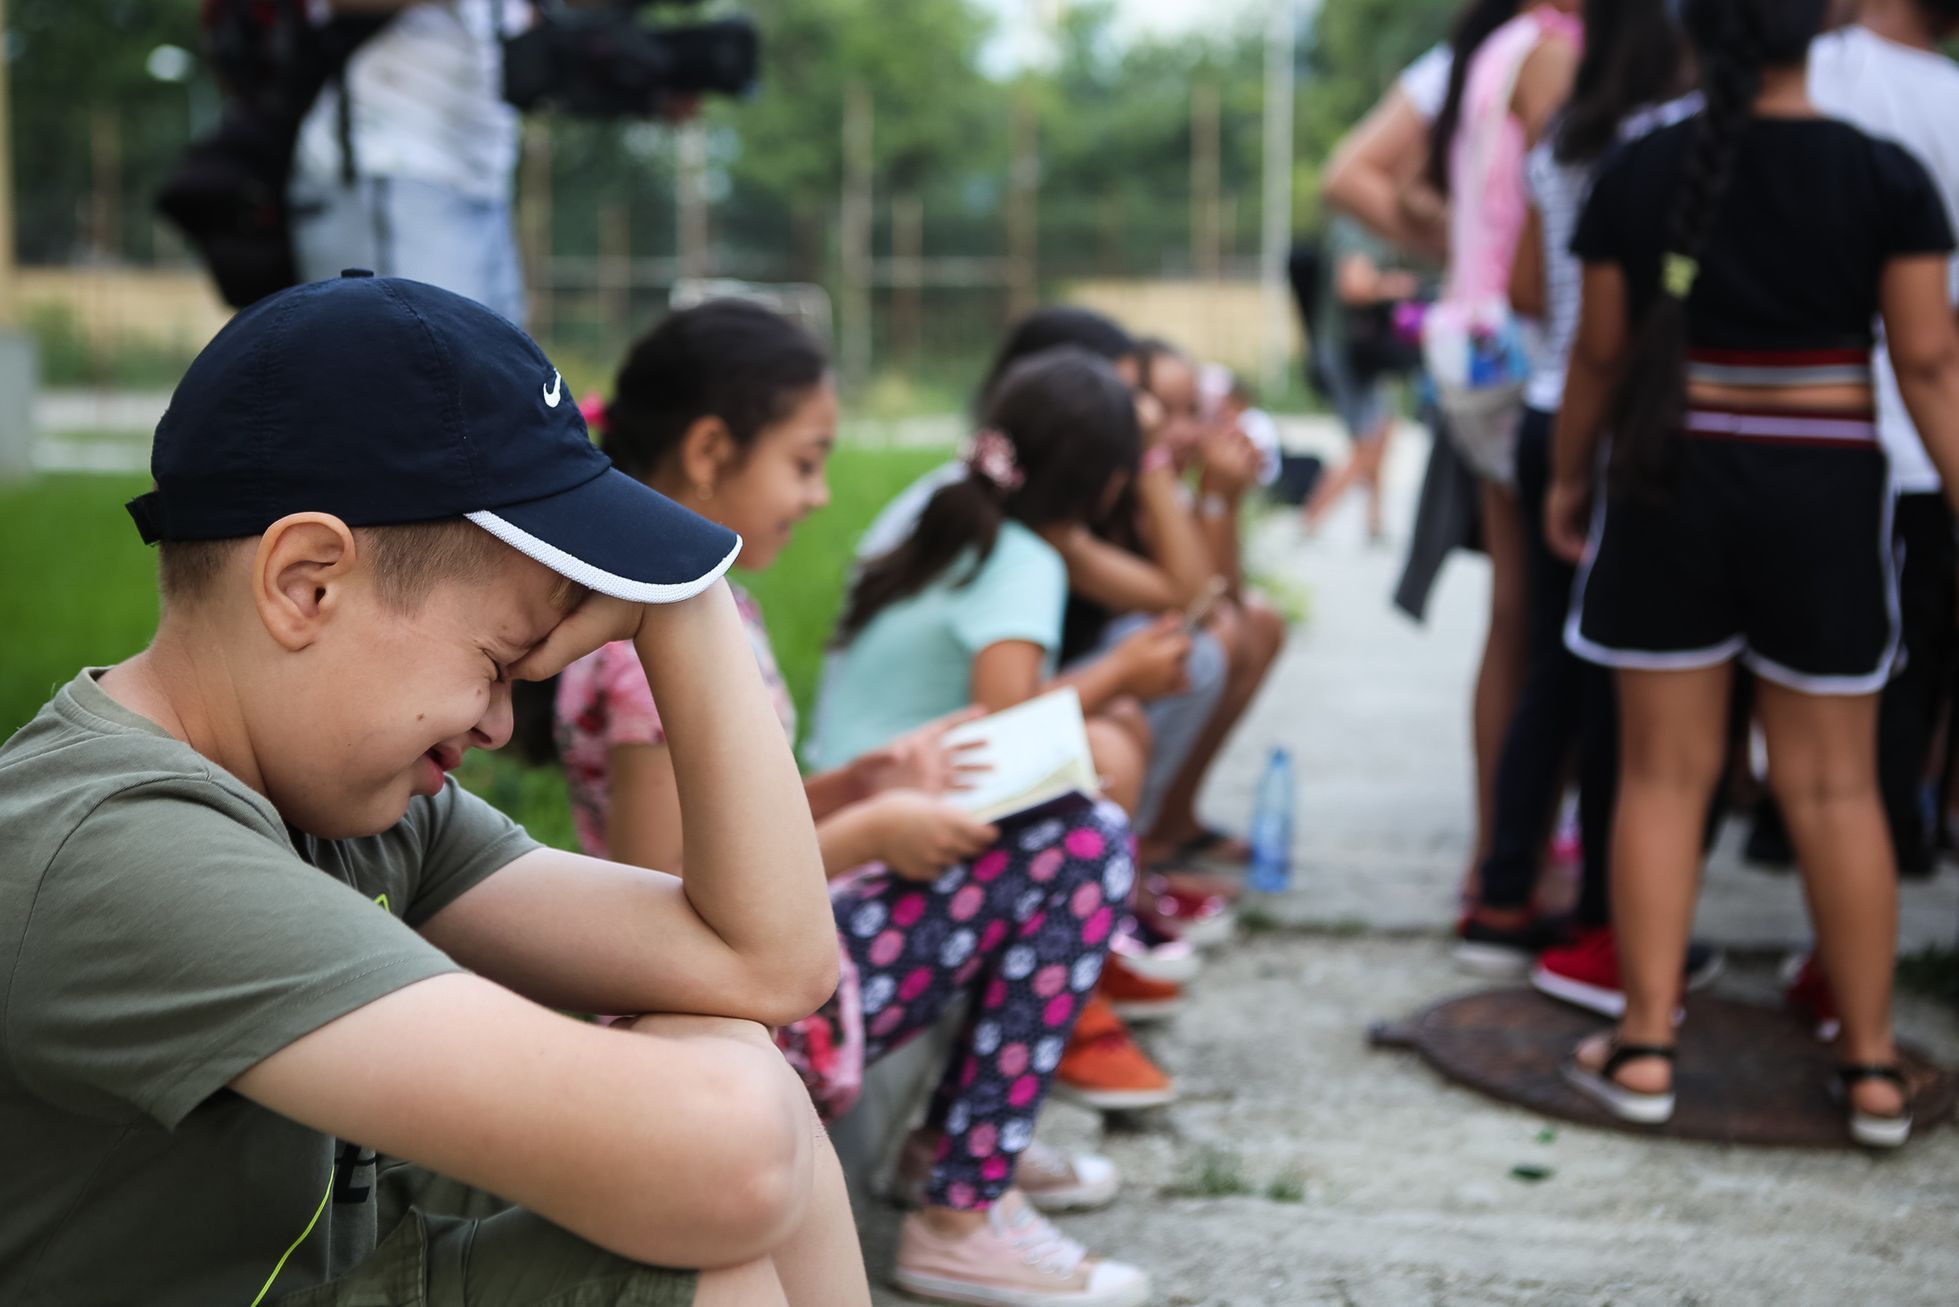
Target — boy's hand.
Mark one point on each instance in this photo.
(601, 619)
(598, 620)
(920, 836)
(1152, 659)
(921, 760)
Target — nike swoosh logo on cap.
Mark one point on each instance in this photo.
(552, 391)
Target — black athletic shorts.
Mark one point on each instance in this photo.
(1774, 547)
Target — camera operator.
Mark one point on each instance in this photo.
(405, 163)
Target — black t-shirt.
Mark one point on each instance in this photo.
(1813, 211)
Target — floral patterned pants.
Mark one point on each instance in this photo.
(1023, 928)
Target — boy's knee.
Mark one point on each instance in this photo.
(754, 1193)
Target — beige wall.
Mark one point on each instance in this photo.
(139, 304)
(1215, 320)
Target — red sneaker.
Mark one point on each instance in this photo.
(1203, 920)
(1585, 972)
(1807, 992)
(1137, 997)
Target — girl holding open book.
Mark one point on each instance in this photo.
(729, 409)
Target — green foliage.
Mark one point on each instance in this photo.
(1114, 130)
(85, 108)
(69, 358)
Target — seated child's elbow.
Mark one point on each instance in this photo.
(790, 996)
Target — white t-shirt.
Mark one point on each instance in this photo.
(1910, 97)
(426, 97)
(1426, 82)
(1558, 191)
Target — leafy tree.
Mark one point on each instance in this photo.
(83, 99)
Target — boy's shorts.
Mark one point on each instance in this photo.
(1774, 548)
(454, 1246)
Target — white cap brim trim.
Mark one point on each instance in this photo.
(594, 578)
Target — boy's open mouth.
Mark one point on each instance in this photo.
(441, 760)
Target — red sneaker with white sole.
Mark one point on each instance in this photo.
(1585, 972)
(1806, 990)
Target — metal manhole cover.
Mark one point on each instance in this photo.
(1747, 1074)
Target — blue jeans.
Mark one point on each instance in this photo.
(401, 227)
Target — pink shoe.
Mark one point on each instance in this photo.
(1016, 1259)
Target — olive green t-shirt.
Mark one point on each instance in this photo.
(162, 930)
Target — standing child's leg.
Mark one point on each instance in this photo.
(1823, 764)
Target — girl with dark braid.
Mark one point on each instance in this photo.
(1734, 267)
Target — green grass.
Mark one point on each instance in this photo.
(1287, 1188)
(77, 588)
(1216, 1174)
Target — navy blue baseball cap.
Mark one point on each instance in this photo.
(384, 402)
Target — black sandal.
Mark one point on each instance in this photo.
(1607, 1092)
(1869, 1129)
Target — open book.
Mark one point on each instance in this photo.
(1036, 752)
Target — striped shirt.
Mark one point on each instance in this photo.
(1558, 190)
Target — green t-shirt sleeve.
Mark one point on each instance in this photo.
(460, 840)
(1019, 594)
(175, 941)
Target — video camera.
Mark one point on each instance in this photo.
(601, 61)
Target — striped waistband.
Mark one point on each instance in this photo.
(1840, 429)
(1781, 367)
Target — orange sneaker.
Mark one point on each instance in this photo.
(1136, 997)
(1103, 1068)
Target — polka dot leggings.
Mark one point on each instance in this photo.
(1024, 927)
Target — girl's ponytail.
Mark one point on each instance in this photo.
(1736, 40)
(963, 517)
(1060, 429)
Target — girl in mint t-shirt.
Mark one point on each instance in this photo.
(728, 409)
(967, 608)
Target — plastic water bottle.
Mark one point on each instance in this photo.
(1271, 869)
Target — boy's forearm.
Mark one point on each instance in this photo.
(754, 873)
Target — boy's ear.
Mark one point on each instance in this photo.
(707, 453)
(299, 575)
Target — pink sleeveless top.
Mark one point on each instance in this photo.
(1487, 200)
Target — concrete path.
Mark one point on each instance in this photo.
(1302, 1167)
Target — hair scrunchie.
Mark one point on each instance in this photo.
(989, 453)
